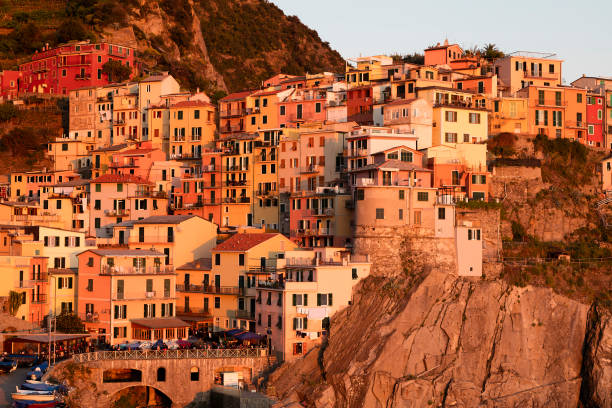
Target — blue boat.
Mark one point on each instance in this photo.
(7, 366)
(39, 387)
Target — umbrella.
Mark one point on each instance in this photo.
(234, 332)
(159, 345)
(248, 336)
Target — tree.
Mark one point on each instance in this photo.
(14, 302)
(66, 323)
(116, 71)
(7, 112)
(490, 52)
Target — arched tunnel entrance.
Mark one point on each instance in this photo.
(140, 397)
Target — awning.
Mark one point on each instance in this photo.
(234, 332)
(44, 337)
(160, 323)
(248, 336)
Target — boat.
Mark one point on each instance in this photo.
(23, 360)
(8, 366)
(39, 387)
(48, 397)
(34, 404)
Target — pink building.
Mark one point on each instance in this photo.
(121, 197)
(9, 85)
(302, 105)
(71, 66)
(137, 161)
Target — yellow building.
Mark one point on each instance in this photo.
(182, 238)
(457, 124)
(126, 118)
(26, 276)
(103, 157)
(70, 154)
(520, 69)
(507, 115)
(192, 129)
(367, 69)
(265, 180)
(235, 265)
(194, 301)
(159, 127)
(262, 109)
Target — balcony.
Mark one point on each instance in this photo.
(322, 212)
(235, 183)
(232, 129)
(38, 299)
(237, 200)
(121, 212)
(241, 314)
(210, 168)
(84, 77)
(548, 103)
(190, 288)
(150, 295)
(119, 121)
(237, 168)
(134, 270)
(223, 290)
(266, 192)
(90, 317)
(232, 113)
(196, 311)
(575, 124)
(313, 168)
(151, 193)
(24, 284)
(311, 232)
(40, 277)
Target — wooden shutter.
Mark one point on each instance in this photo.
(329, 299)
(116, 311)
(305, 299)
(294, 322)
(318, 299)
(294, 300)
(305, 323)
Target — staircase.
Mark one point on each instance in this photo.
(599, 207)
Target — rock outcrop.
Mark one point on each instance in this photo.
(454, 342)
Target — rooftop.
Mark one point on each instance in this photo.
(165, 219)
(201, 264)
(192, 104)
(120, 178)
(244, 242)
(125, 252)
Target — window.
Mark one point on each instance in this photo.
(401, 194)
(241, 259)
(423, 196)
(264, 119)
(324, 299)
(401, 214)
(380, 213)
(450, 137)
(119, 187)
(406, 156)
(417, 217)
(354, 274)
(217, 302)
(194, 375)
(282, 110)
(161, 374)
(591, 130)
(441, 213)
(98, 188)
(360, 194)
(466, 138)
(64, 147)
(217, 259)
(450, 116)
(475, 118)
(318, 107)
(579, 97)
(299, 299)
(473, 235)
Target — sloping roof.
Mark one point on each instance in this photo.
(112, 148)
(268, 93)
(136, 151)
(190, 104)
(125, 252)
(201, 264)
(236, 96)
(72, 183)
(244, 242)
(155, 78)
(160, 322)
(165, 219)
(398, 164)
(401, 102)
(120, 178)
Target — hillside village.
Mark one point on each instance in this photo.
(162, 213)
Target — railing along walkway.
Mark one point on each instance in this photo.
(169, 354)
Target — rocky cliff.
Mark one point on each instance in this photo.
(216, 45)
(446, 341)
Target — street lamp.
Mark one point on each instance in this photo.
(52, 314)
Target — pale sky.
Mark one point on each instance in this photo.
(579, 32)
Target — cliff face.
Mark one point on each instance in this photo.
(216, 45)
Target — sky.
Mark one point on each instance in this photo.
(578, 32)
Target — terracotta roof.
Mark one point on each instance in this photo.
(165, 219)
(236, 96)
(160, 322)
(155, 78)
(189, 104)
(202, 264)
(268, 93)
(71, 183)
(112, 148)
(124, 252)
(244, 242)
(137, 151)
(400, 102)
(120, 178)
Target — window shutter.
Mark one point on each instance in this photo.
(146, 311)
(70, 283)
(305, 299)
(294, 322)
(66, 241)
(329, 299)
(116, 312)
(134, 262)
(60, 283)
(170, 310)
(153, 310)
(163, 310)
(305, 323)
(124, 311)
(294, 300)
(318, 299)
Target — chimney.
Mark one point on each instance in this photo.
(446, 41)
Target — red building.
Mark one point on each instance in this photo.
(359, 105)
(595, 120)
(9, 85)
(201, 194)
(71, 66)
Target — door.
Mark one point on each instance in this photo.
(121, 237)
(217, 281)
(250, 220)
(186, 280)
(252, 309)
(262, 263)
(206, 280)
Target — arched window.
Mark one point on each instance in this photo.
(195, 374)
(161, 374)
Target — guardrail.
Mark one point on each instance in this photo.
(169, 354)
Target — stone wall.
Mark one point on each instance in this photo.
(92, 392)
(517, 172)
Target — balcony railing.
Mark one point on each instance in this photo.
(134, 270)
(200, 311)
(313, 168)
(232, 112)
(235, 183)
(322, 212)
(171, 354)
(267, 192)
(575, 124)
(24, 284)
(220, 290)
(548, 102)
(120, 212)
(210, 168)
(237, 200)
(89, 317)
(237, 168)
(38, 298)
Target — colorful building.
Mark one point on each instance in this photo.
(522, 69)
(71, 66)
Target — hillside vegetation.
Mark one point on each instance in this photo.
(216, 45)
